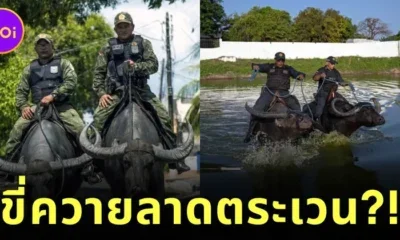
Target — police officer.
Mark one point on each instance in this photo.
(332, 75)
(50, 79)
(278, 82)
(108, 77)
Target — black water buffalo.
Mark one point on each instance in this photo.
(281, 123)
(52, 172)
(132, 157)
(341, 116)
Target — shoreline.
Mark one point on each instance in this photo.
(215, 69)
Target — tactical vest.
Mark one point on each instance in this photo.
(332, 75)
(278, 78)
(44, 79)
(120, 52)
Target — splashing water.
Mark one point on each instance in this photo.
(332, 148)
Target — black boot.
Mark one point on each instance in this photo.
(249, 132)
(181, 167)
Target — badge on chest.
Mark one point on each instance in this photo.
(134, 48)
(54, 69)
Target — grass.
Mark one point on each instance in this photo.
(347, 65)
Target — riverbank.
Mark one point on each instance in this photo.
(216, 69)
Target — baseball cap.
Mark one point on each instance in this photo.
(123, 17)
(331, 60)
(279, 56)
(44, 36)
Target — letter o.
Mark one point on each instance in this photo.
(2, 30)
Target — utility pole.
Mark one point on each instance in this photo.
(169, 73)
(161, 80)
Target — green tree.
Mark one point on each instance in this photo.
(307, 25)
(47, 13)
(314, 25)
(336, 28)
(212, 17)
(261, 24)
(392, 38)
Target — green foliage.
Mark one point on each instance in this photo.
(76, 42)
(212, 17)
(261, 24)
(155, 4)
(10, 74)
(310, 25)
(47, 13)
(392, 38)
(313, 25)
(347, 65)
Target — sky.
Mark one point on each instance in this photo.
(357, 10)
(186, 32)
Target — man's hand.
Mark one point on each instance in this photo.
(131, 64)
(323, 75)
(300, 77)
(27, 113)
(256, 67)
(105, 100)
(47, 100)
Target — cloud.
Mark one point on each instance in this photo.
(185, 26)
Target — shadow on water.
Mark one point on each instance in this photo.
(321, 165)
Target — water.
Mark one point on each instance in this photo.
(224, 122)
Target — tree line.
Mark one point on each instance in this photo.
(266, 24)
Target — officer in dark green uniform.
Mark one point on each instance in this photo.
(50, 79)
(332, 74)
(278, 82)
(108, 75)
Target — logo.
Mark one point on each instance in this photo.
(121, 17)
(11, 31)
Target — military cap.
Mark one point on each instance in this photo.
(44, 36)
(331, 60)
(123, 17)
(279, 56)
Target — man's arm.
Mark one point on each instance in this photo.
(295, 74)
(22, 91)
(100, 73)
(70, 78)
(317, 76)
(149, 63)
(263, 68)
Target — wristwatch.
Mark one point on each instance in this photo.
(54, 95)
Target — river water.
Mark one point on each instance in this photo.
(224, 122)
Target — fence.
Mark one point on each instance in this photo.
(267, 50)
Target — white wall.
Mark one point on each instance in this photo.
(267, 50)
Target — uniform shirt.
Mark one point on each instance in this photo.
(333, 75)
(264, 68)
(147, 66)
(67, 88)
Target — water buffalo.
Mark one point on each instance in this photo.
(51, 171)
(281, 123)
(341, 116)
(132, 157)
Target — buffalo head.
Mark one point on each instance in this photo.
(286, 119)
(364, 113)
